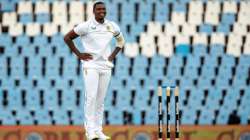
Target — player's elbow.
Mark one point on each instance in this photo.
(120, 41)
(66, 38)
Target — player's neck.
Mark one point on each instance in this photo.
(99, 20)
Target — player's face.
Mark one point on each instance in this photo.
(100, 11)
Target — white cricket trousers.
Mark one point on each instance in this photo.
(96, 84)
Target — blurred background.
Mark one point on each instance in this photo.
(202, 46)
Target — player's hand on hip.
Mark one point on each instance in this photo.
(85, 56)
(109, 64)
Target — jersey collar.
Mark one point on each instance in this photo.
(97, 23)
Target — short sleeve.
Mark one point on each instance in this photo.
(117, 30)
(81, 29)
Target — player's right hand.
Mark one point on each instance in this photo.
(85, 56)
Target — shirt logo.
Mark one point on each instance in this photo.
(110, 29)
(93, 27)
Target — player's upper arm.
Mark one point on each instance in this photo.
(70, 36)
(81, 29)
(120, 41)
(117, 30)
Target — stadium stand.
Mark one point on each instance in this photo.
(201, 46)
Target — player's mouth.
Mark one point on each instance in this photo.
(102, 15)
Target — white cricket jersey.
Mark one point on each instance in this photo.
(96, 38)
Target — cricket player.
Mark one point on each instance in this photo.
(96, 35)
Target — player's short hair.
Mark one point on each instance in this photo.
(96, 3)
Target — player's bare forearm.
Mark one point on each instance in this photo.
(114, 53)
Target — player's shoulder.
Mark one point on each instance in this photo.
(114, 24)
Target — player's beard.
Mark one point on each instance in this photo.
(101, 16)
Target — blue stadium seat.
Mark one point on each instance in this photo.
(151, 83)
(241, 70)
(26, 18)
(115, 117)
(212, 102)
(196, 97)
(52, 66)
(138, 72)
(222, 81)
(42, 18)
(244, 60)
(5, 40)
(8, 5)
(239, 80)
(121, 71)
(246, 96)
(222, 118)
(127, 18)
(188, 116)
(244, 119)
(228, 18)
(211, 61)
(14, 98)
(156, 71)
(208, 70)
(206, 28)
(182, 49)
(231, 97)
(150, 116)
(35, 67)
(40, 40)
(6, 117)
(162, 12)
(176, 61)
(186, 81)
(33, 98)
(9, 50)
(3, 68)
(122, 60)
(57, 39)
(191, 71)
(8, 83)
(60, 117)
(24, 117)
(199, 49)
(158, 60)
(136, 29)
(224, 28)
(224, 112)
(140, 61)
(144, 16)
(179, 7)
(216, 50)
(22, 40)
(206, 117)
(173, 72)
(51, 98)
(136, 116)
(225, 71)
(228, 60)
(123, 98)
(42, 117)
(69, 98)
(193, 61)
(78, 117)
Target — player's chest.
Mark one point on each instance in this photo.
(99, 30)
